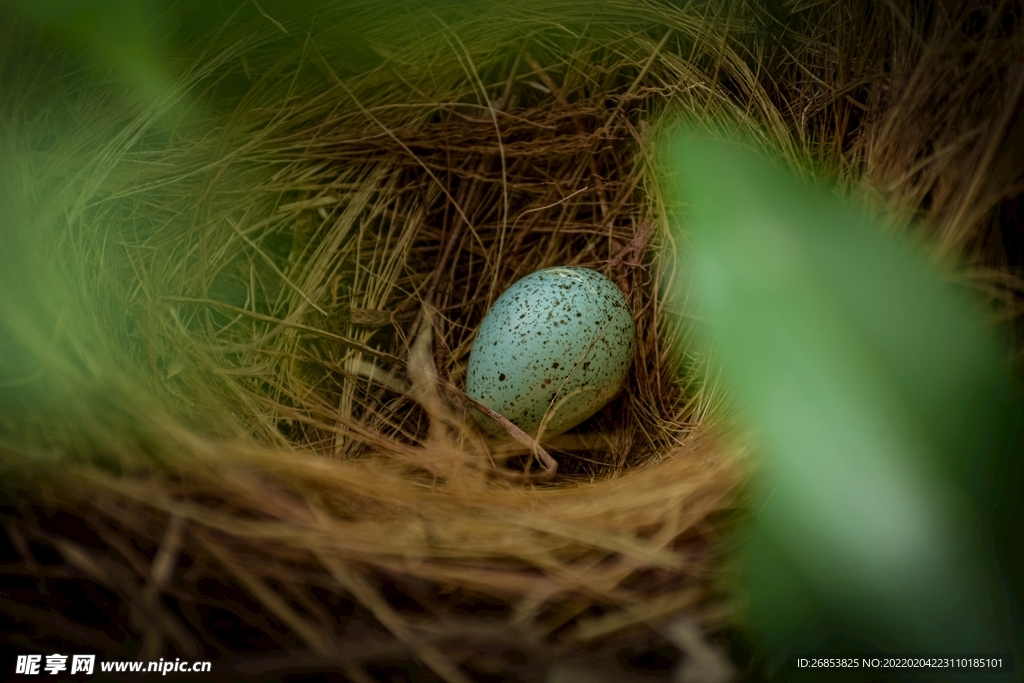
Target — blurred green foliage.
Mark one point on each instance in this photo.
(887, 425)
(120, 34)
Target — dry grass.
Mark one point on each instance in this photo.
(237, 328)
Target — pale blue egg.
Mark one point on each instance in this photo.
(559, 342)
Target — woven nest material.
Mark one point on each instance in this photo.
(238, 325)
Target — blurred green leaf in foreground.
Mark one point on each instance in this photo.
(116, 33)
(885, 515)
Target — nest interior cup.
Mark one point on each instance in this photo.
(559, 341)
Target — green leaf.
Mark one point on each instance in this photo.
(117, 33)
(872, 390)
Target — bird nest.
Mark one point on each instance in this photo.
(234, 419)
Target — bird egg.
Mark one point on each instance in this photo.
(554, 348)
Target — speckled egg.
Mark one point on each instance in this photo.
(559, 340)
